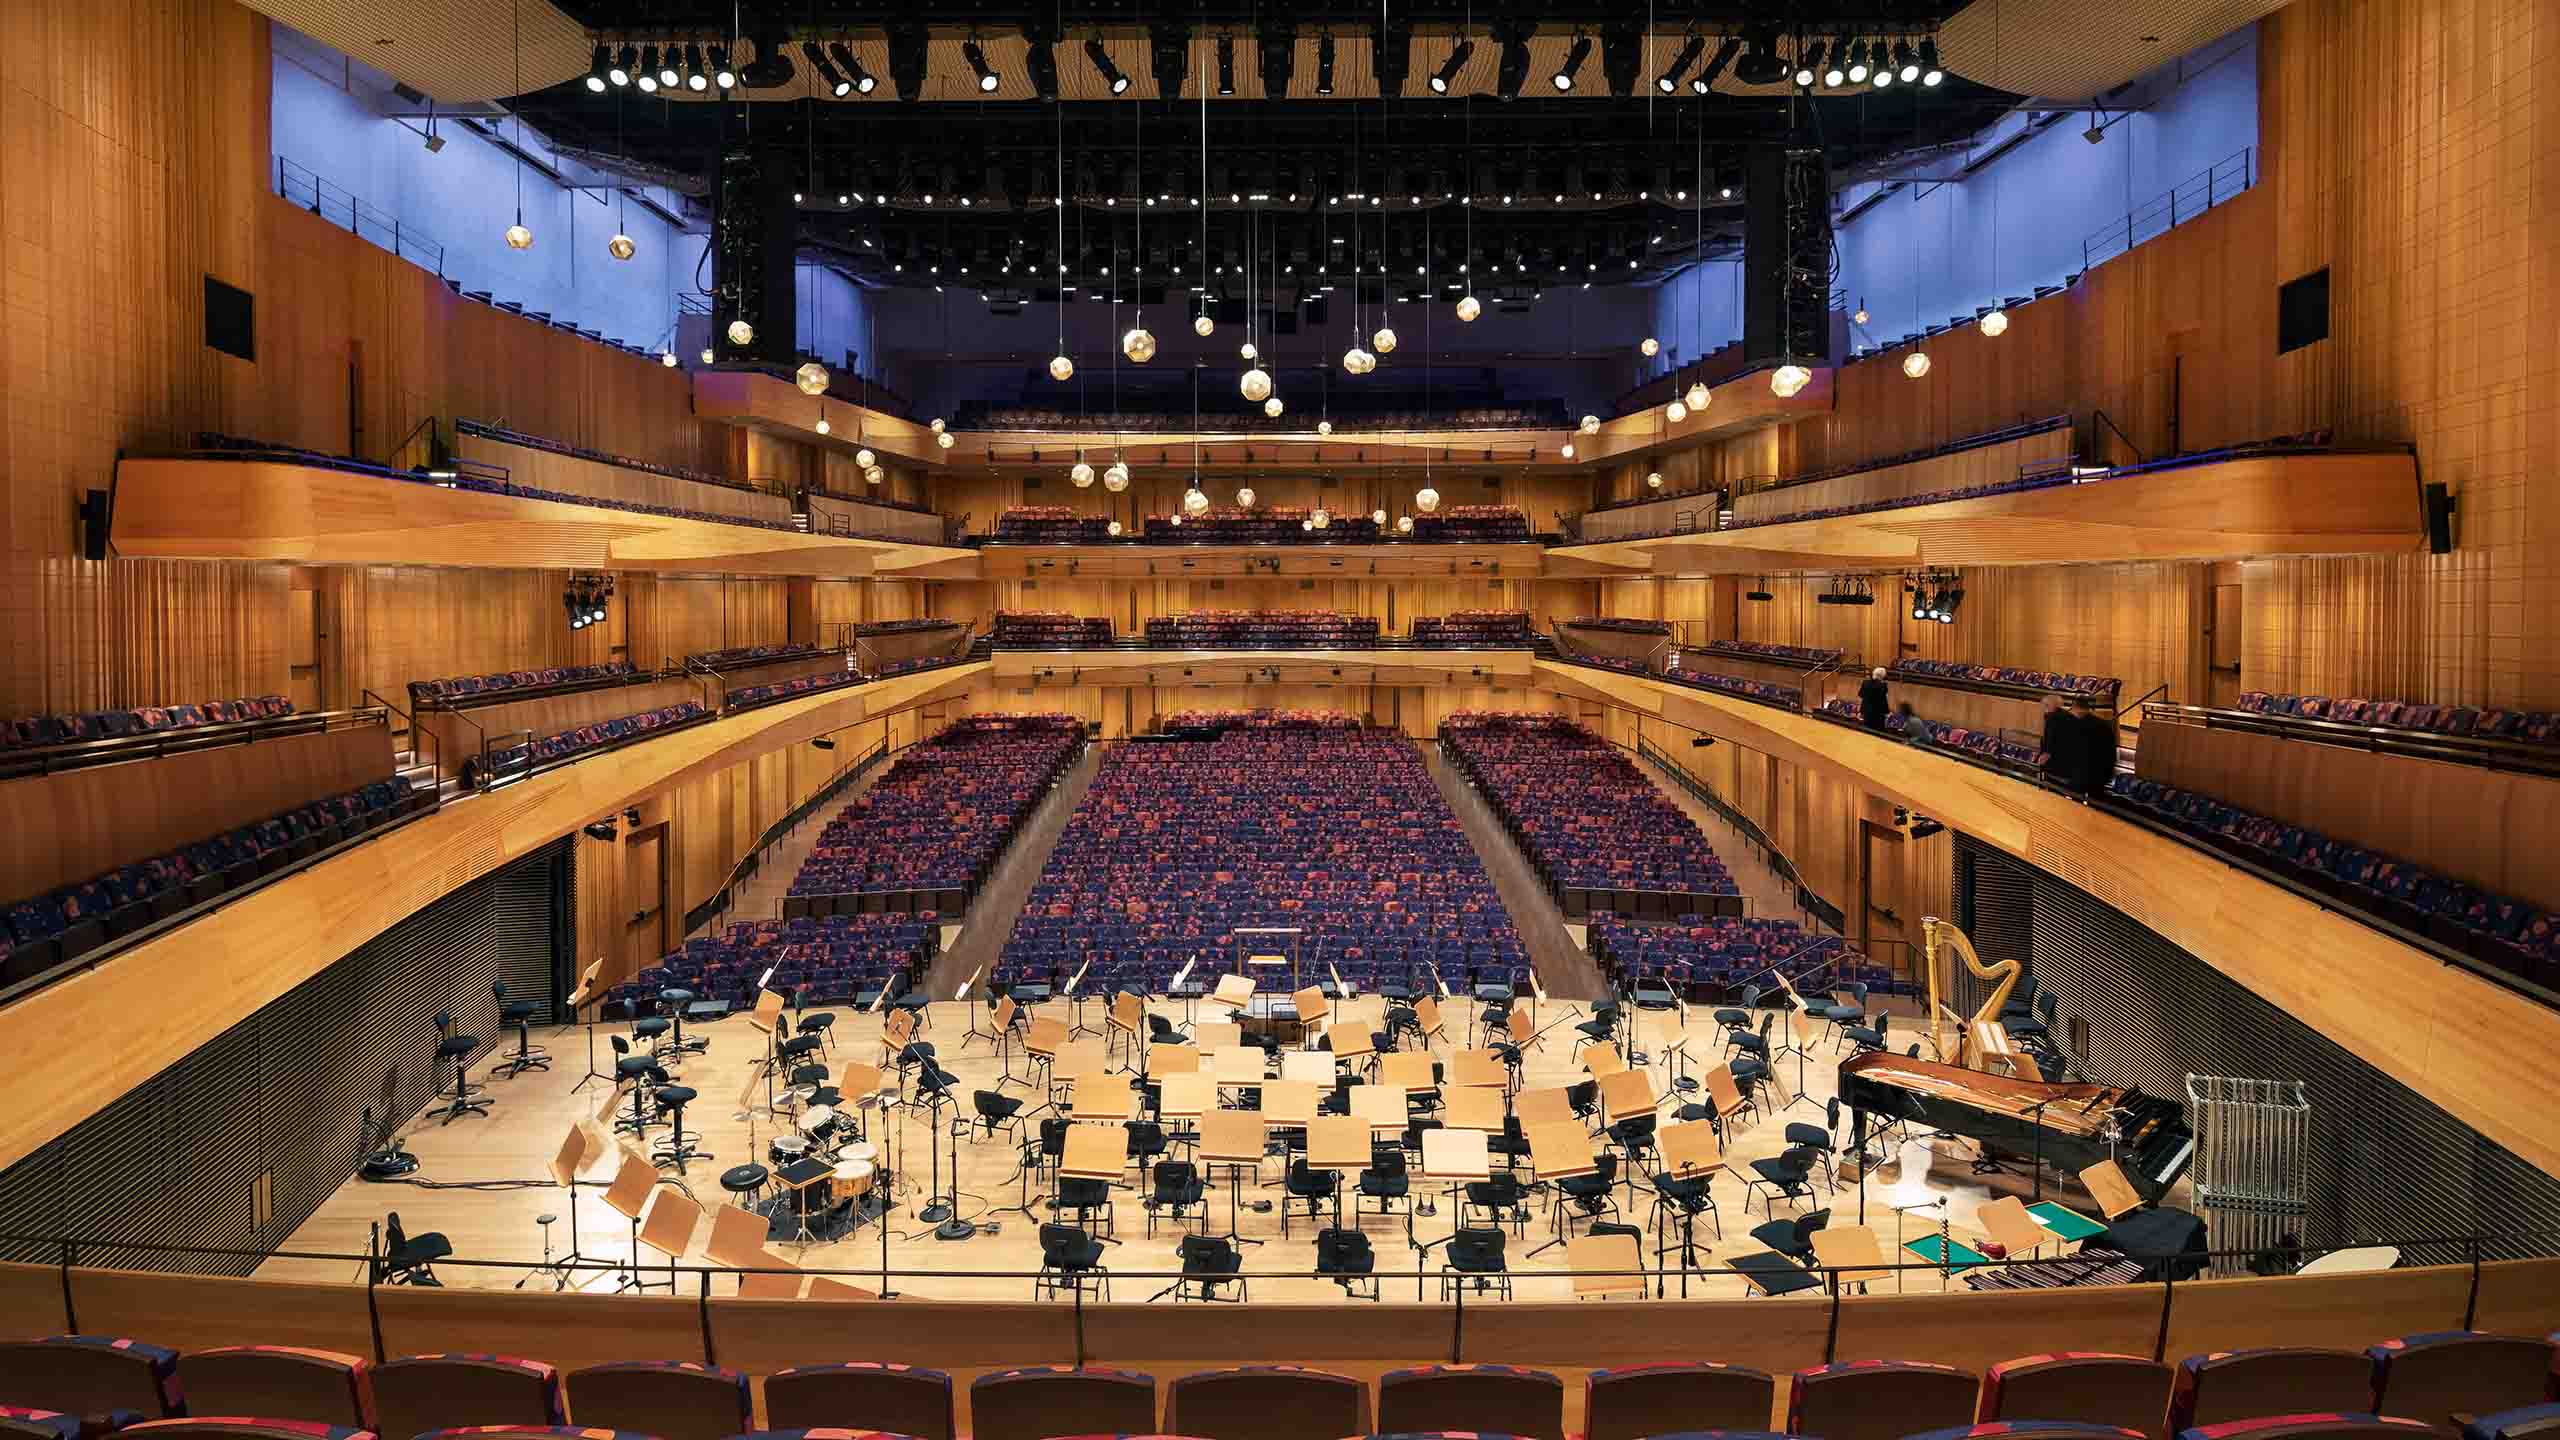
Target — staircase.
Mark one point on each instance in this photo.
(417, 774)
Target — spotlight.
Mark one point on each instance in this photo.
(1690, 50)
(1705, 80)
(1906, 66)
(1514, 70)
(1573, 58)
(696, 77)
(1884, 66)
(600, 71)
(828, 75)
(669, 77)
(1759, 595)
(1805, 60)
(1324, 64)
(722, 74)
(1447, 74)
(1837, 74)
(977, 58)
(1701, 742)
(624, 62)
(646, 77)
(1102, 65)
(1226, 64)
(1040, 59)
(1930, 74)
(1858, 63)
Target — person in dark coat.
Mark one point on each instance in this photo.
(2061, 744)
(1871, 699)
(2098, 741)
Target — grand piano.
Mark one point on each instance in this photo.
(2150, 1139)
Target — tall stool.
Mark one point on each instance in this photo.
(677, 1151)
(457, 1049)
(651, 1031)
(641, 1072)
(675, 1000)
(745, 1184)
(519, 1013)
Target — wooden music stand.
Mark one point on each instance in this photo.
(1689, 1149)
(1585, 1253)
(1382, 1107)
(1312, 1006)
(1626, 1094)
(761, 1286)
(1288, 1102)
(1522, 1026)
(1453, 1154)
(1211, 1035)
(1405, 1070)
(1046, 1038)
(737, 1238)
(1472, 1068)
(1230, 1137)
(2115, 1194)
(1127, 1016)
(1232, 993)
(1079, 1058)
(669, 1228)
(1543, 1105)
(1237, 1065)
(1727, 1095)
(1477, 1109)
(1308, 1067)
(825, 1287)
(2006, 1221)
(1094, 1152)
(1338, 1142)
(1854, 1254)
(1188, 1095)
(1602, 1062)
(1426, 1018)
(1352, 1040)
(573, 1153)
(1561, 1151)
(1102, 1095)
(1165, 1061)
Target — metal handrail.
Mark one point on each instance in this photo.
(2225, 179)
(416, 736)
(2139, 701)
(2100, 417)
(158, 744)
(305, 188)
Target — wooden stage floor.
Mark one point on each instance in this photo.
(531, 1114)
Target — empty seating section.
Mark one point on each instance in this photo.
(1262, 630)
(900, 627)
(80, 1387)
(578, 452)
(2532, 727)
(2512, 935)
(1050, 525)
(1763, 652)
(1706, 958)
(567, 745)
(739, 656)
(1473, 627)
(1473, 525)
(831, 960)
(1337, 830)
(747, 697)
(2101, 689)
(1262, 525)
(513, 684)
(2036, 481)
(1623, 625)
(33, 731)
(1051, 630)
(1982, 744)
(1210, 724)
(925, 834)
(1765, 691)
(1600, 833)
(69, 922)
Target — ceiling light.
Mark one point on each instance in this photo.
(1255, 384)
(1447, 74)
(1590, 424)
(1995, 323)
(1786, 380)
(518, 237)
(1082, 475)
(1426, 500)
(1271, 407)
(600, 71)
(1226, 64)
(945, 441)
(1837, 74)
(1568, 450)
(811, 377)
(1649, 347)
(1101, 58)
(1062, 369)
(1469, 308)
(669, 77)
(621, 247)
(1930, 74)
(823, 426)
(828, 75)
(1513, 72)
(707, 356)
(1806, 58)
(1858, 63)
(1573, 58)
(1675, 412)
(1680, 63)
(1653, 480)
(1699, 396)
(667, 358)
(1906, 66)
(977, 58)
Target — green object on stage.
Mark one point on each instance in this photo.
(2064, 1223)
(1946, 1254)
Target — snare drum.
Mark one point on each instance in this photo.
(788, 1148)
(818, 1118)
(862, 1150)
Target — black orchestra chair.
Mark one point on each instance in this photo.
(1346, 1258)
(1178, 1192)
(1266, 1402)
(1642, 1400)
(280, 1382)
(1389, 1183)
(2525, 1422)
(996, 1111)
(2128, 1392)
(1879, 1399)
(1210, 1263)
(1070, 1259)
(408, 1259)
(1793, 1236)
(901, 1399)
(92, 1375)
(26, 1422)
(1035, 1402)
(2303, 1426)
(671, 1399)
(2276, 1380)
(1316, 1188)
(418, 1393)
(1501, 1399)
(1475, 1258)
(2434, 1376)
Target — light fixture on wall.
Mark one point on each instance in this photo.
(1653, 480)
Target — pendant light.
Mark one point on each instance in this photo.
(1568, 450)
(1468, 309)
(1378, 518)
(1653, 480)
(1699, 396)
(943, 440)
(1324, 427)
(1650, 347)
(1139, 344)
(1256, 384)
(1675, 412)
(1272, 407)
(1786, 380)
(707, 356)
(518, 237)
(1426, 500)
(811, 377)
(1995, 321)
(1082, 475)
(1590, 424)
(865, 458)
(1244, 498)
(741, 334)
(874, 474)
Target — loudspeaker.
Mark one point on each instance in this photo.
(1786, 256)
(94, 517)
(755, 236)
(2439, 506)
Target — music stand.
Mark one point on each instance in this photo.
(1341, 1144)
(1475, 1109)
(1126, 1016)
(1543, 1105)
(1800, 1027)
(579, 999)
(1308, 1067)
(1381, 1107)
(1234, 1139)
(1312, 1008)
(1854, 1254)
(1457, 1158)
(628, 1196)
(1208, 1035)
(1353, 1040)
(1046, 1038)
(1167, 1061)
(1102, 1095)
(1600, 1063)
(1007, 1017)
(1471, 1069)
(1690, 1150)
(1185, 1094)
(1241, 1066)
(1232, 994)
(1180, 988)
(2107, 1185)
(1586, 1254)
(1092, 1152)
(2007, 1222)
(1074, 995)
(668, 1230)
(1561, 1150)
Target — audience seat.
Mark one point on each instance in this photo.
(671, 1399)
(240, 1427)
(1880, 1399)
(2123, 1391)
(1036, 1402)
(2525, 1422)
(2327, 1426)
(2434, 1376)
(418, 1393)
(1502, 1398)
(20, 1422)
(1642, 1400)
(533, 1432)
(902, 1399)
(2030, 1430)
(1266, 1402)
(92, 1375)
(280, 1382)
(2242, 1384)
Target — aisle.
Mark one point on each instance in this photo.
(1559, 959)
(991, 916)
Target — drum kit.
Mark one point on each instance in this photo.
(861, 1186)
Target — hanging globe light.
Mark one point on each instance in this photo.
(1675, 412)
(943, 440)
(741, 333)
(1271, 407)
(1202, 325)
(1651, 347)
(1568, 449)
(1404, 524)
(865, 458)
(1468, 308)
(1113, 529)
(1916, 364)
(1244, 498)
(1996, 323)
(1653, 480)
(1246, 352)
(1786, 380)
(1378, 518)
(1116, 479)
(1384, 342)
(1194, 503)
(1358, 361)
(937, 426)
(1699, 396)
(1426, 500)
(1255, 383)
(621, 247)
(1306, 525)
(811, 377)
(1177, 522)
(1082, 474)
(1139, 345)
(667, 358)
(1062, 369)
(874, 474)
(518, 237)
(707, 356)
(823, 426)
(1320, 520)
(1324, 427)
(1590, 424)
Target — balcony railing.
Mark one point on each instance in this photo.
(2230, 176)
(341, 206)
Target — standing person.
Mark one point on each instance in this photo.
(2098, 740)
(2061, 744)
(1871, 699)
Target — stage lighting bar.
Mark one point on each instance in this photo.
(646, 77)
(1514, 70)
(723, 74)
(1690, 50)
(669, 77)
(625, 61)
(828, 75)
(1103, 66)
(1447, 74)
(1324, 64)
(1808, 56)
(864, 82)
(1705, 80)
(599, 71)
(1930, 74)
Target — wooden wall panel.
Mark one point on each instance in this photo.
(1964, 470)
(2143, 623)
(460, 732)
(672, 617)
(1395, 603)
(382, 626)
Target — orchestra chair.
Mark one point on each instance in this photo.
(410, 1259)
(2127, 1392)
(902, 1399)
(92, 1375)
(1498, 1398)
(1070, 1259)
(1640, 1400)
(22, 1422)
(1345, 1258)
(2332, 1426)
(2031, 1430)
(1209, 1262)
(1178, 1192)
(1793, 1236)
(1035, 1402)
(418, 1393)
(1475, 1256)
(280, 1382)
(1266, 1402)
(1879, 1399)
(2434, 1376)
(241, 1427)
(2525, 1422)
(2278, 1380)
(671, 1399)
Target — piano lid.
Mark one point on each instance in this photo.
(2076, 1108)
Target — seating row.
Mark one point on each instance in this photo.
(2497, 1385)
(76, 919)
(2097, 687)
(1549, 416)
(1772, 654)
(34, 730)
(1279, 629)
(737, 655)
(749, 697)
(1051, 630)
(1472, 627)
(1786, 697)
(569, 744)
(1473, 524)
(1050, 525)
(2538, 727)
(427, 694)
(1624, 625)
(939, 817)
(842, 959)
(1590, 823)
(580, 452)
(2512, 935)
(2040, 480)
(1988, 745)
(1722, 958)
(1214, 722)
(900, 627)
(1264, 525)
(1339, 832)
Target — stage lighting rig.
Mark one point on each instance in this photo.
(1513, 37)
(1690, 50)
(1447, 74)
